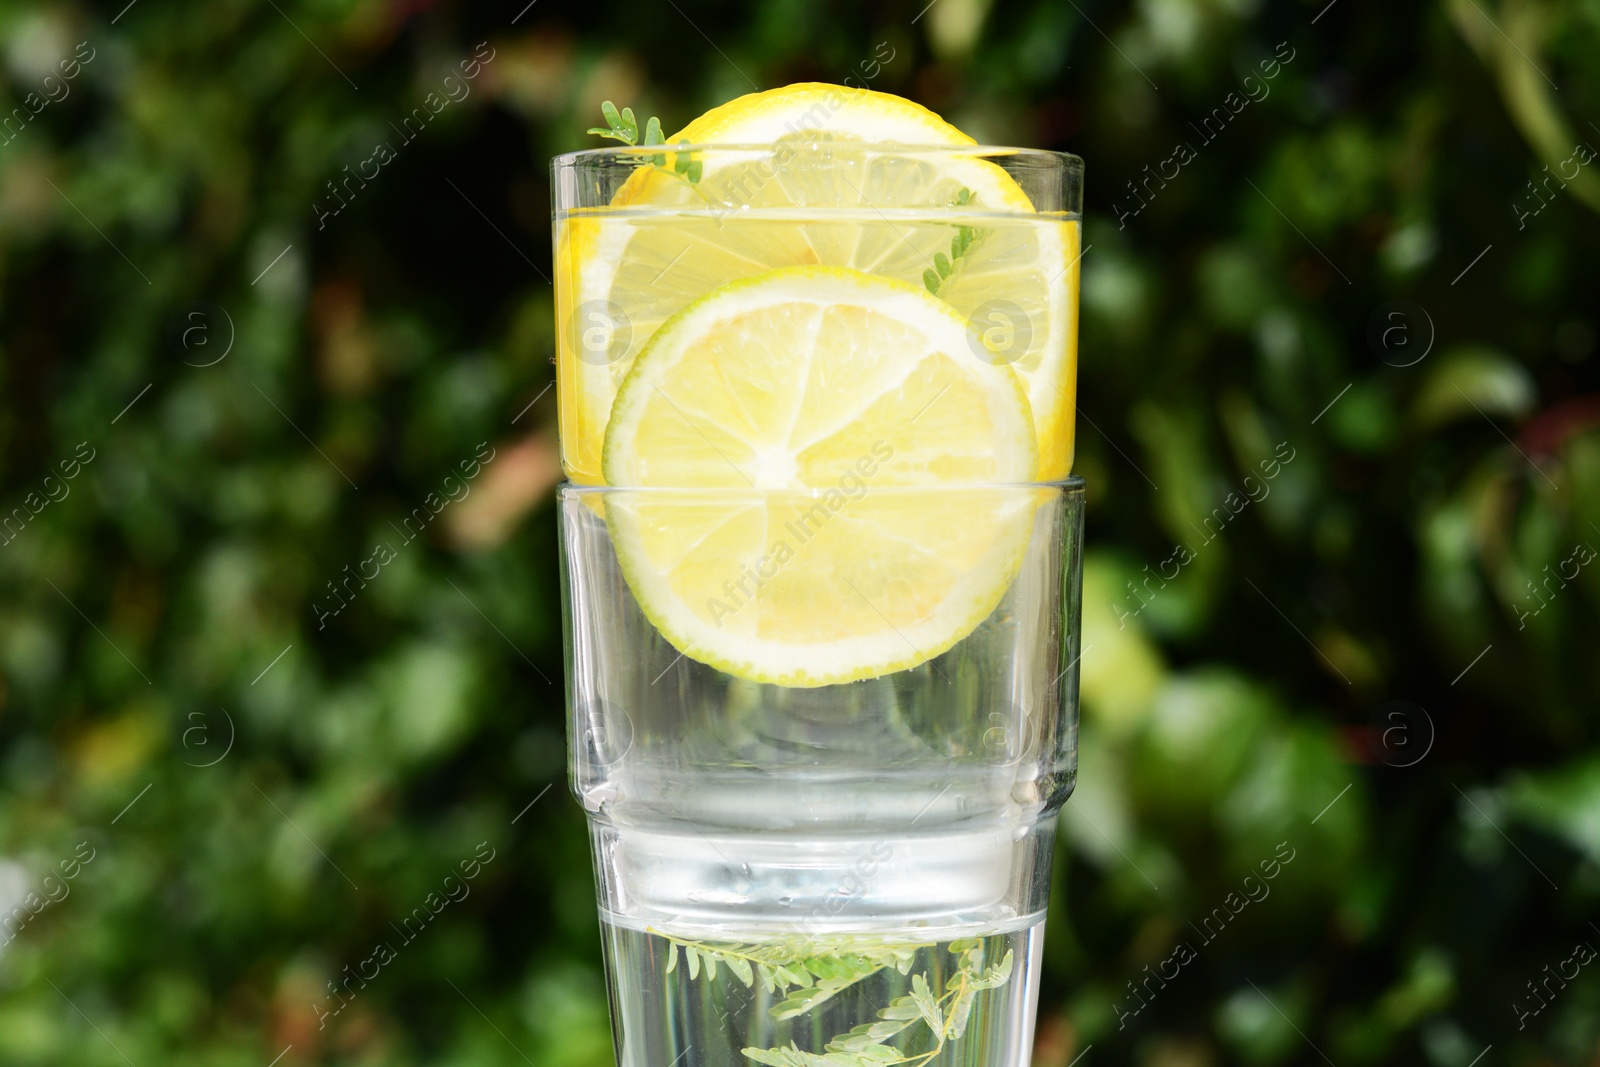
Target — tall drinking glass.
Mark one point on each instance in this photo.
(821, 731)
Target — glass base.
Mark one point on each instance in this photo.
(881, 1000)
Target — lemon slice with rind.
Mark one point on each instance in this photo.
(805, 468)
(828, 176)
(762, 118)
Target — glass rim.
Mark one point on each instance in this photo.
(1066, 161)
(1071, 485)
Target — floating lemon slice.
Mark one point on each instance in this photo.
(821, 183)
(801, 460)
(762, 118)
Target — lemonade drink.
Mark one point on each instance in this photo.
(816, 373)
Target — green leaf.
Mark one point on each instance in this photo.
(1470, 381)
(694, 961)
(623, 126)
(741, 970)
(926, 1004)
(672, 956)
(867, 1056)
(804, 1001)
(795, 974)
(941, 264)
(902, 1008)
(869, 1034)
(1563, 801)
(960, 1008)
(827, 967)
(788, 1009)
(856, 1040)
(793, 1056)
(777, 1057)
(930, 279)
(997, 975)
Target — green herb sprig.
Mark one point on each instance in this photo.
(809, 974)
(962, 243)
(624, 127)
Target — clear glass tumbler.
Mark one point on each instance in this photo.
(859, 868)
(822, 623)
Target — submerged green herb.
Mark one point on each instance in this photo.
(809, 974)
(962, 243)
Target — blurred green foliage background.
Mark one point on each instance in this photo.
(249, 389)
